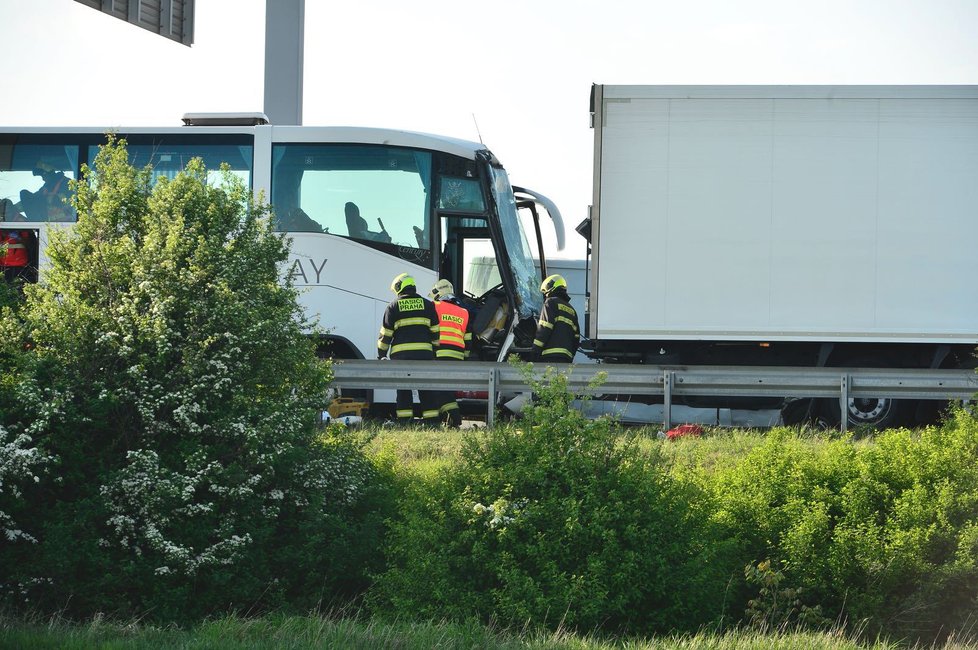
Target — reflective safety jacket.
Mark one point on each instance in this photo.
(13, 248)
(558, 334)
(409, 329)
(456, 330)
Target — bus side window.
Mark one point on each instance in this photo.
(34, 181)
(50, 201)
(376, 195)
(461, 195)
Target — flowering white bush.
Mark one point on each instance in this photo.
(500, 513)
(170, 371)
(20, 463)
(341, 477)
(146, 499)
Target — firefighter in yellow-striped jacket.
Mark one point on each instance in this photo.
(410, 330)
(455, 342)
(558, 334)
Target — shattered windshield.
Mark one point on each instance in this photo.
(530, 300)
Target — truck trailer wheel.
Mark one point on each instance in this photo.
(795, 412)
(870, 412)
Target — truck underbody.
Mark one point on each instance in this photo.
(877, 413)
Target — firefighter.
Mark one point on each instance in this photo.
(14, 256)
(455, 342)
(558, 334)
(410, 330)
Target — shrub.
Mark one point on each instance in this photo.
(558, 521)
(21, 465)
(169, 372)
(777, 608)
(882, 534)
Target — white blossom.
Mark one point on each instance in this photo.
(19, 463)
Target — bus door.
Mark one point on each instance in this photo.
(469, 262)
(18, 253)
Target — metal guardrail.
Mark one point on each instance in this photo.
(667, 381)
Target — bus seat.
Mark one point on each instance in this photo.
(491, 318)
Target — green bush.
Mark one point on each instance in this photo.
(556, 521)
(166, 370)
(561, 521)
(883, 535)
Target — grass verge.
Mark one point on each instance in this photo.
(285, 632)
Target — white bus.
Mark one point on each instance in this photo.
(361, 206)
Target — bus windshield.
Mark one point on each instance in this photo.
(525, 274)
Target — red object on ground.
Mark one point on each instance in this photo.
(684, 430)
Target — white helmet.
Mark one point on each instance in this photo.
(443, 289)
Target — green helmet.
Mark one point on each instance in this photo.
(402, 282)
(553, 282)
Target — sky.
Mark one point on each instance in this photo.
(515, 74)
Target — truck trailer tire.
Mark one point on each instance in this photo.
(799, 412)
(870, 412)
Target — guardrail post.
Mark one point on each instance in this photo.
(844, 403)
(667, 377)
(491, 398)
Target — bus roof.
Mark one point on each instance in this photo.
(285, 134)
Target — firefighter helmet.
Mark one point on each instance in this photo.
(442, 289)
(402, 282)
(552, 282)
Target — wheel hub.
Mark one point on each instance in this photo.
(868, 409)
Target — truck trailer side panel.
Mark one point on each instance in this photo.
(785, 214)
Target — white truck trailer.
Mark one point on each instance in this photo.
(786, 225)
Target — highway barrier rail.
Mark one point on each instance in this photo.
(666, 381)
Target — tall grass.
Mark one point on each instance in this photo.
(420, 450)
(281, 632)
(417, 451)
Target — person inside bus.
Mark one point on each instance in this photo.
(10, 211)
(357, 225)
(49, 202)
